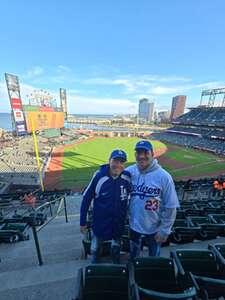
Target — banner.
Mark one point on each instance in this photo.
(16, 103)
(21, 129)
(13, 87)
(18, 115)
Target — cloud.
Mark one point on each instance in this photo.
(151, 84)
(63, 68)
(95, 105)
(35, 71)
(139, 83)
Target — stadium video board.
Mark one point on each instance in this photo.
(44, 120)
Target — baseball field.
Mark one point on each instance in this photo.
(76, 163)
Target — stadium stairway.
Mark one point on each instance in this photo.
(21, 277)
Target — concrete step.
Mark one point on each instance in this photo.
(60, 290)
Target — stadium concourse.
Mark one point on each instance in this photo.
(63, 250)
(201, 128)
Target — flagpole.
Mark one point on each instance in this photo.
(37, 154)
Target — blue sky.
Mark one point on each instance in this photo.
(108, 54)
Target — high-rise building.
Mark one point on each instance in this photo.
(178, 105)
(146, 110)
(164, 116)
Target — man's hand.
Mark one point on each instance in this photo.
(83, 229)
(160, 238)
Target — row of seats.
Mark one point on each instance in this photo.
(187, 274)
(16, 228)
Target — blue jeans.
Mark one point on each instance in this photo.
(96, 244)
(136, 243)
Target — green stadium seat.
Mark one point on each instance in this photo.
(105, 282)
(209, 229)
(182, 232)
(9, 236)
(219, 219)
(212, 210)
(219, 251)
(19, 229)
(156, 278)
(180, 214)
(204, 266)
(195, 212)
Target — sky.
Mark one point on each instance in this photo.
(110, 53)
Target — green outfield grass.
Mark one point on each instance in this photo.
(82, 160)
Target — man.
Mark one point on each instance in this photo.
(153, 201)
(109, 188)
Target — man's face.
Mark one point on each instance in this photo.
(143, 158)
(116, 166)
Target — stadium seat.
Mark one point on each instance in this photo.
(219, 219)
(180, 214)
(219, 251)
(209, 230)
(18, 231)
(105, 282)
(195, 212)
(204, 266)
(182, 232)
(156, 279)
(9, 236)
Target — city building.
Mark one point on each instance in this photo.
(146, 110)
(164, 116)
(178, 106)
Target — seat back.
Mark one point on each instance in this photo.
(180, 223)
(106, 281)
(221, 249)
(199, 220)
(219, 218)
(155, 273)
(199, 262)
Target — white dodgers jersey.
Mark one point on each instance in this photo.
(152, 192)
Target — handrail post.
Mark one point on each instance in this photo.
(50, 207)
(37, 245)
(65, 208)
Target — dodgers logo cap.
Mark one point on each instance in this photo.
(118, 154)
(144, 145)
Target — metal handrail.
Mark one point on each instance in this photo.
(35, 231)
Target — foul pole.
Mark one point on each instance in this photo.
(37, 154)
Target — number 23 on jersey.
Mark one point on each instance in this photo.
(152, 204)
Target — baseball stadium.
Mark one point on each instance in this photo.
(44, 168)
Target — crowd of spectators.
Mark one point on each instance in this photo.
(202, 128)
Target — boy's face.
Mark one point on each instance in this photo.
(143, 158)
(116, 166)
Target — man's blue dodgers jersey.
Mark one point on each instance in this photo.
(110, 204)
(152, 192)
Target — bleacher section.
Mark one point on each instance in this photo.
(191, 265)
(201, 128)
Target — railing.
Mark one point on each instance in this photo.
(62, 206)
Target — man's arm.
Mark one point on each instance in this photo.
(88, 195)
(167, 210)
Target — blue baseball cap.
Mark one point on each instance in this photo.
(119, 154)
(144, 145)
